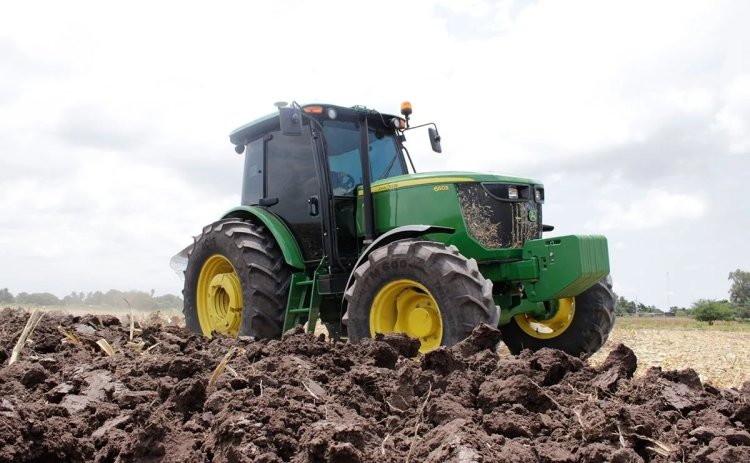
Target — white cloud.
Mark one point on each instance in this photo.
(653, 209)
(734, 115)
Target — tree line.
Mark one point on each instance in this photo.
(737, 307)
(113, 298)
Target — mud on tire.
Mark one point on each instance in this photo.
(462, 294)
(260, 267)
(592, 322)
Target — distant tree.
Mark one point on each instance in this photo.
(95, 298)
(114, 298)
(73, 298)
(710, 310)
(679, 311)
(643, 308)
(140, 300)
(739, 293)
(742, 311)
(6, 296)
(169, 301)
(625, 306)
(38, 299)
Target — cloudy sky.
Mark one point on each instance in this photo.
(635, 114)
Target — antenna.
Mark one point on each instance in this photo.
(669, 305)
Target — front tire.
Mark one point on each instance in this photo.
(422, 288)
(236, 282)
(580, 328)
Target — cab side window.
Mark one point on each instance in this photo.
(252, 183)
(290, 168)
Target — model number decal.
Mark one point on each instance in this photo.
(440, 188)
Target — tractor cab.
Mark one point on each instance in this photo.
(306, 164)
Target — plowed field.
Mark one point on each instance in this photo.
(161, 397)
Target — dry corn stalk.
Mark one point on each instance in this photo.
(659, 447)
(222, 365)
(71, 336)
(27, 330)
(315, 389)
(150, 348)
(132, 319)
(136, 345)
(106, 347)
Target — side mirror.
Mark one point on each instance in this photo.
(434, 140)
(290, 120)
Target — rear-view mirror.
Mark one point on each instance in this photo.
(290, 120)
(434, 140)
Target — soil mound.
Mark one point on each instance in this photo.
(161, 397)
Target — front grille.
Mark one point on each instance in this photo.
(495, 222)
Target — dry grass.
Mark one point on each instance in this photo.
(720, 353)
(681, 323)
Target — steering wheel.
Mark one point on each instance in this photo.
(346, 181)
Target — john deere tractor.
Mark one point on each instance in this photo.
(336, 225)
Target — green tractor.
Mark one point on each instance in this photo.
(336, 225)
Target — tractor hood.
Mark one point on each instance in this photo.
(428, 178)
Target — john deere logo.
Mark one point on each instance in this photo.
(532, 215)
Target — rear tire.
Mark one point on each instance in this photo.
(246, 298)
(429, 281)
(591, 324)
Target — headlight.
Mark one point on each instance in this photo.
(539, 195)
(512, 192)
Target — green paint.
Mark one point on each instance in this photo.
(568, 265)
(434, 203)
(298, 309)
(474, 176)
(535, 309)
(288, 245)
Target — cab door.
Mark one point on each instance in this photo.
(290, 185)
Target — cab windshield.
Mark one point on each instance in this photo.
(342, 141)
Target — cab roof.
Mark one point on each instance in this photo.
(270, 122)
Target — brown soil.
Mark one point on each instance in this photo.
(307, 400)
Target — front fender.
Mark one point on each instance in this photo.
(400, 233)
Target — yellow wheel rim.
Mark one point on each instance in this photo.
(405, 306)
(219, 297)
(550, 328)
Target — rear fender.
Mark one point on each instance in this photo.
(284, 238)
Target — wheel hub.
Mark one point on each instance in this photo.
(420, 322)
(219, 297)
(405, 306)
(551, 327)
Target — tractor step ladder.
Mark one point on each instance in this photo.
(303, 303)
